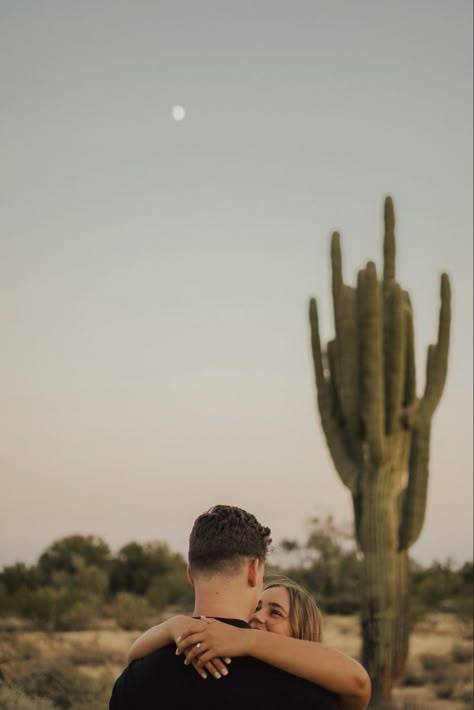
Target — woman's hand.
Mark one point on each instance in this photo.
(215, 640)
(181, 627)
(184, 625)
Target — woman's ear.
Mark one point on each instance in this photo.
(189, 576)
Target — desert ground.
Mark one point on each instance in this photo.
(77, 669)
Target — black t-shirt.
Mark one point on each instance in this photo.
(161, 681)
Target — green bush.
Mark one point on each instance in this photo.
(63, 554)
(44, 605)
(137, 565)
(81, 615)
(171, 589)
(16, 576)
(131, 611)
(6, 602)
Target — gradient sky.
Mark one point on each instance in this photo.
(155, 274)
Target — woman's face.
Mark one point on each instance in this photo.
(272, 612)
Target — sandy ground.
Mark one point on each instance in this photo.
(104, 650)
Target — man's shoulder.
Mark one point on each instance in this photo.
(155, 661)
(273, 682)
(162, 677)
(141, 679)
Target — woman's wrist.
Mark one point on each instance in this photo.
(173, 627)
(251, 638)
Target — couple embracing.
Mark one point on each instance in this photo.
(246, 645)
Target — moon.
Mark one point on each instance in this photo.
(178, 113)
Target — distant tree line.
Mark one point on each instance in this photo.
(78, 581)
(328, 564)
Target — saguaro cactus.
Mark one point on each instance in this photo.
(378, 434)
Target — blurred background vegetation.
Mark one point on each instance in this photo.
(67, 621)
(77, 583)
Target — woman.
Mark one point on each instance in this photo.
(286, 631)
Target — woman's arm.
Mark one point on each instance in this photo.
(320, 664)
(162, 635)
(170, 631)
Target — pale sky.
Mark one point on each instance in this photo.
(156, 274)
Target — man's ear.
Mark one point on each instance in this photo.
(253, 572)
(189, 576)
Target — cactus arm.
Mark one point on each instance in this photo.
(349, 358)
(346, 366)
(437, 362)
(414, 503)
(410, 365)
(336, 262)
(394, 326)
(414, 499)
(357, 506)
(389, 242)
(394, 354)
(316, 345)
(371, 361)
(345, 466)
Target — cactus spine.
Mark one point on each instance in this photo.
(378, 434)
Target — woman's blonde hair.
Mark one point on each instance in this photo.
(305, 618)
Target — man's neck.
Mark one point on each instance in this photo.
(220, 603)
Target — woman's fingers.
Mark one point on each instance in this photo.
(220, 668)
(187, 641)
(195, 653)
(216, 668)
(192, 630)
(199, 670)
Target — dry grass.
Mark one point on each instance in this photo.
(79, 667)
(439, 672)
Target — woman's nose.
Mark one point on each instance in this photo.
(257, 617)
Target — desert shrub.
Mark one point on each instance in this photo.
(17, 576)
(462, 653)
(432, 663)
(444, 688)
(81, 615)
(172, 588)
(444, 587)
(13, 648)
(130, 611)
(137, 565)
(463, 606)
(93, 655)
(55, 608)
(6, 602)
(413, 674)
(16, 699)
(63, 554)
(464, 693)
(67, 687)
(448, 678)
(44, 605)
(410, 703)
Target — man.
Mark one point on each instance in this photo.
(227, 552)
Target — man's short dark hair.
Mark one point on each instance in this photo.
(223, 536)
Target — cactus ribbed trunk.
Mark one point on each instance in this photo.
(378, 434)
(379, 581)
